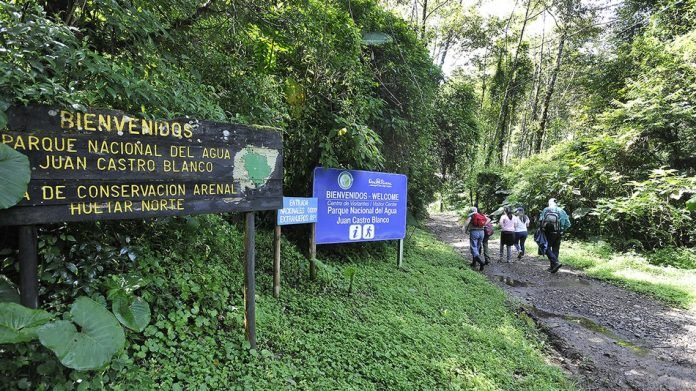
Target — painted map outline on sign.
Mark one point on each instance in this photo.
(257, 163)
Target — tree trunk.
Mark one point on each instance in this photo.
(537, 88)
(537, 83)
(549, 92)
(413, 18)
(448, 42)
(483, 76)
(502, 114)
(424, 19)
(511, 117)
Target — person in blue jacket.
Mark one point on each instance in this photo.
(475, 228)
(553, 222)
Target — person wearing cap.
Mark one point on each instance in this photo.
(474, 226)
(554, 221)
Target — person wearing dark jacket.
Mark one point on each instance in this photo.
(553, 222)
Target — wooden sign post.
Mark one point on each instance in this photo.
(249, 279)
(28, 264)
(313, 252)
(104, 164)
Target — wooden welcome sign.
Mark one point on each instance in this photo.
(102, 164)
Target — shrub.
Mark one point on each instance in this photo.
(653, 215)
(679, 257)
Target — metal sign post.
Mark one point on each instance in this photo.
(400, 254)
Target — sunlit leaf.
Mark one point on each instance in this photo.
(376, 38)
(691, 204)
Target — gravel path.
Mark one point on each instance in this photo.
(607, 338)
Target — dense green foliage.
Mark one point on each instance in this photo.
(599, 115)
(634, 171)
(301, 66)
(341, 101)
(604, 122)
(458, 127)
(643, 273)
(432, 325)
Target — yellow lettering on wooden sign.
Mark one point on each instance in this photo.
(66, 120)
(53, 192)
(88, 122)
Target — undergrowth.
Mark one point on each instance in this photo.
(433, 324)
(638, 272)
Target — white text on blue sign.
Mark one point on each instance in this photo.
(298, 210)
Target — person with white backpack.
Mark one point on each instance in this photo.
(553, 221)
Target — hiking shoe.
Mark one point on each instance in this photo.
(519, 256)
(555, 268)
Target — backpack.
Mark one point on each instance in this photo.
(478, 220)
(488, 229)
(552, 222)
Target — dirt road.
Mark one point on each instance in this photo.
(607, 338)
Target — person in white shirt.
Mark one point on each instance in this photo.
(507, 233)
(521, 222)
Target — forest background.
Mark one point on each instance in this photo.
(595, 105)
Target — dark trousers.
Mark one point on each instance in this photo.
(486, 253)
(520, 238)
(554, 241)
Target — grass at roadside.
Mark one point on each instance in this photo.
(676, 287)
(433, 325)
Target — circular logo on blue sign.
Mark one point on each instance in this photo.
(345, 180)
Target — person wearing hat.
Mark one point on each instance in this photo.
(474, 226)
(554, 221)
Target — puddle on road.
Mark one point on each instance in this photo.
(592, 326)
(512, 282)
(573, 282)
(560, 283)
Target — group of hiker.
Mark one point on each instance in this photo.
(514, 226)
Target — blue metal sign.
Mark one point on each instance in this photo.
(359, 206)
(298, 210)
